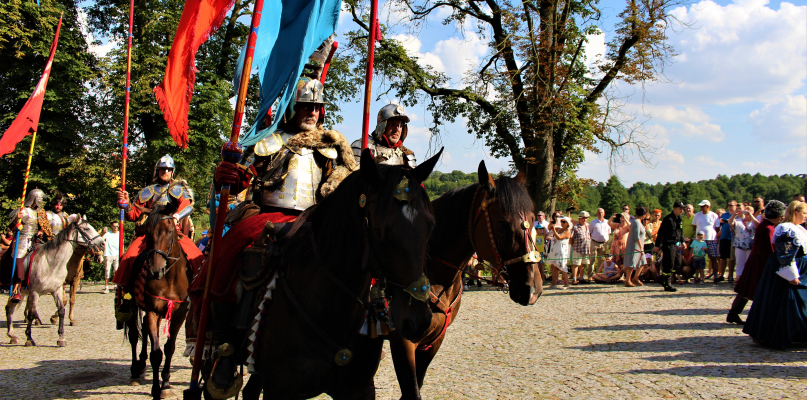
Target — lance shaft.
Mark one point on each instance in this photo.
(125, 150)
(231, 152)
(368, 81)
(22, 207)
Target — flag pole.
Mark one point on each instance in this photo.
(22, 207)
(122, 204)
(368, 82)
(230, 152)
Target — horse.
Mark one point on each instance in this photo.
(162, 274)
(375, 225)
(48, 271)
(75, 271)
(492, 218)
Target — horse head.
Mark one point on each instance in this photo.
(399, 222)
(84, 235)
(502, 234)
(162, 243)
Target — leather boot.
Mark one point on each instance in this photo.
(665, 281)
(737, 307)
(15, 293)
(224, 380)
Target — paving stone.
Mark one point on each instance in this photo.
(591, 341)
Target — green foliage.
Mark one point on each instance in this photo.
(614, 196)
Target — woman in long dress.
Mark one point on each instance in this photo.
(778, 316)
(560, 251)
(761, 250)
(634, 249)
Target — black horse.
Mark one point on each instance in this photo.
(375, 225)
(492, 218)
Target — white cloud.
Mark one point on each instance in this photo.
(710, 132)
(676, 114)
(459, 55)
(594, 49)
(671, 156)
(782, 121)
(706, 161)
(445, 158)
(740, 52)
(412, 45)
(466, 155)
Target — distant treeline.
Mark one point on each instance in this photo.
(611, 195)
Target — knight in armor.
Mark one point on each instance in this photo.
(386, 141)
(31, 216)
(286, 172)
(162, 192)
(57, 216)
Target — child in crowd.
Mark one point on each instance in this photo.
(699, 249)
(608, 272)
(687, 267)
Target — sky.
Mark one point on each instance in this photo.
(734, 101)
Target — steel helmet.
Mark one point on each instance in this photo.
(386, 113)
(36, 196)
(164, 162)
(308, 91)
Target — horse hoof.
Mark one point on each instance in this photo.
(54, 319)
(134, 382)
(14, 340)
(73, 323)
(166, 393)
(61, 342)
(29, 343)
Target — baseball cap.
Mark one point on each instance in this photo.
(705, 203)
(584, 214)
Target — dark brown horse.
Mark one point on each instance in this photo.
(492, 219)
(160, 292)
(376, 224)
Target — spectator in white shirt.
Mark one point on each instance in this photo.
(600, 232)
(708, 222)
(111, 253)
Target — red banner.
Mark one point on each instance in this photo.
(28, 119)
(200, 19)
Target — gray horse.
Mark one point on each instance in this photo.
(49, 270)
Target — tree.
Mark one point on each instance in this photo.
(614, 196)
(26, 34)
(533, 99)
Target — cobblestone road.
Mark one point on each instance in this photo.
(593, 341)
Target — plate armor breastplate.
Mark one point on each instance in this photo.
(57, 221)
(158, 194)
(384, 155)
(298, 190)
(31, 225)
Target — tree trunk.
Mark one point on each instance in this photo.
(540, 182)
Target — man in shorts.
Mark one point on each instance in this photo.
(725, 247)
(581, 249)
(707, 222)
(111, 253)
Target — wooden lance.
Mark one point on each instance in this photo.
(230, 152)
(368, 82)
(122, 204)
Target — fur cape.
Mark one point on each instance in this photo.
(323, 139)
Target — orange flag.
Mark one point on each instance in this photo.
(200, 19)
(28, 118)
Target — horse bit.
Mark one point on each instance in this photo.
(500, 267)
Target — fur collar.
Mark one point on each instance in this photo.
(323, 139)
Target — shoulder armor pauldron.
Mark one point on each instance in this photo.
(329, 152)
(271, 144)
(176, 191)
(146, 194)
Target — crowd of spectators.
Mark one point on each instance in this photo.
(622, 248)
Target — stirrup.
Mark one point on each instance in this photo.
(16, 297)
(224, 350)
(124, 312)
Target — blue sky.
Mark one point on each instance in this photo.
(737, 101)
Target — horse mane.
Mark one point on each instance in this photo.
(340, 212)
(453, 208)
(158, 211)
(60, 237)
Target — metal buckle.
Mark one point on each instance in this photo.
(531, 257)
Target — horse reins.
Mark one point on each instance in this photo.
(166, 255)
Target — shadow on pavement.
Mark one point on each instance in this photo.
(689, 311)
(717, 350)
(50, 379)
(731, 371)
(680, 326)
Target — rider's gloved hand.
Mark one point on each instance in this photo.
(227, 173)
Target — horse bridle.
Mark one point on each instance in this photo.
(86, 237)
(500, 267)
(169, 261)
